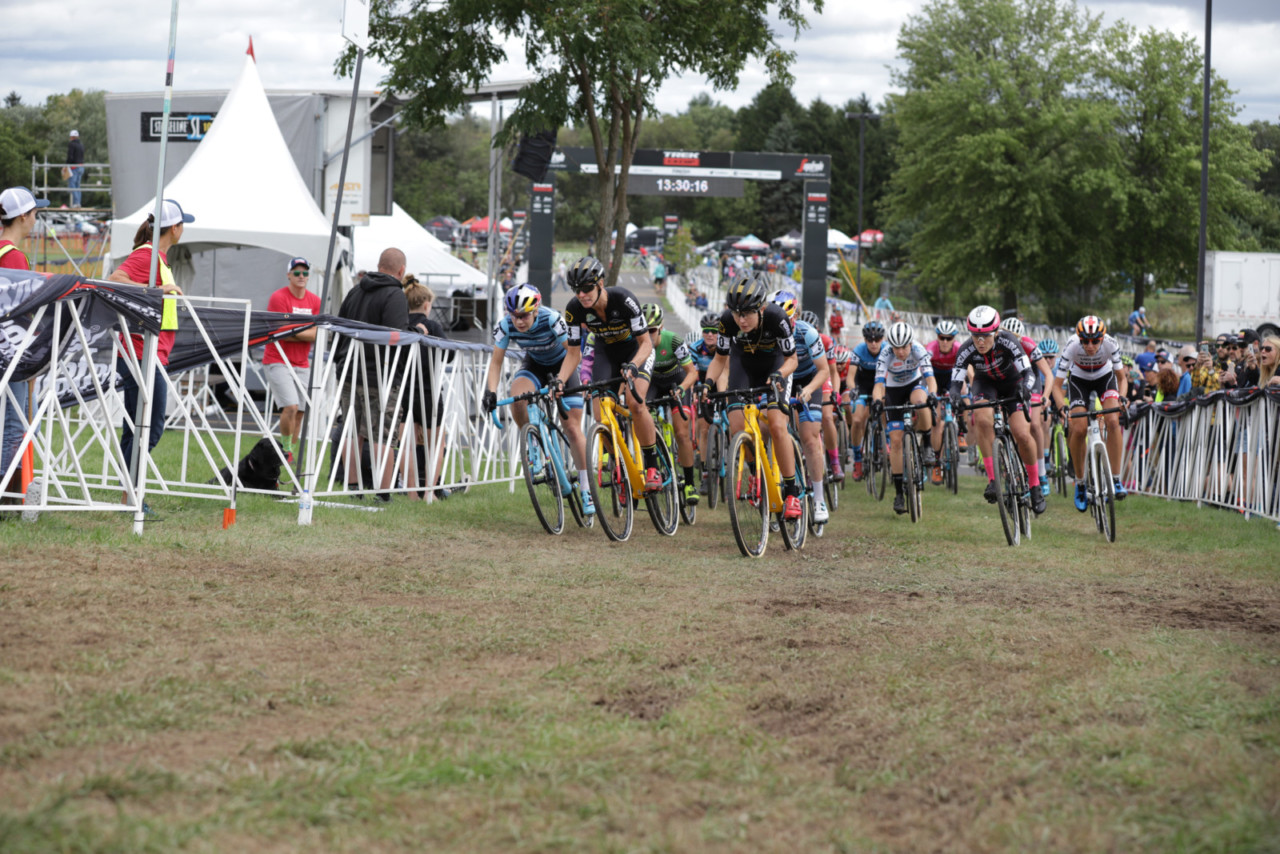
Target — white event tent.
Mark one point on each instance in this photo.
(242, 186)
(426, 256)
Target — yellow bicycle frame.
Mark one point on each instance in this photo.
(763, 451)
(630, 451)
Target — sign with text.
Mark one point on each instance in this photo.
(743, 165)
(183, 127)
(813, 269)
(541, 229)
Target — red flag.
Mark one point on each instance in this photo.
(250, 50)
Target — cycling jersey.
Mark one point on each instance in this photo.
(1075, 362)
(702, 356)
(808, 348)
(865, 378)
(942, 361)
(623, 320)
(1002, 366)
(894, 372)
(772, 334)
(670, 356)
(542, 344)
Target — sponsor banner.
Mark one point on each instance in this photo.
(183, 127)
(743, 165)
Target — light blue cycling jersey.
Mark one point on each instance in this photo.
(863, 360)
(895, 372)
(808, 348)
(543, 343)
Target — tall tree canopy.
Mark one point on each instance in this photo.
(598, 64)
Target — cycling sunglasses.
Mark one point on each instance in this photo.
(586, 289)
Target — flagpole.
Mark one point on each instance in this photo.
(142, 420)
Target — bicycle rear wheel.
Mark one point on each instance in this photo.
(951, 457)
(878, 459)
(1006, 499)
(664, 504)
(610, 488)
(1060, 458)
(574, 497)
(713, 459)
(912, 473)
(831, 491)
(541, 479)
(794, 530)
(748, 503)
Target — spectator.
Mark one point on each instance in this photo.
(378, 299)
(1187, 362)
(659, 272)
(1204, 376)
(17, 219)
(287, 363)
(419, 298)
(1166, 384)
(836, 325)
(75, 162)
(1147, 358)
(1243, 369)
(1268, 358)
(134, 270)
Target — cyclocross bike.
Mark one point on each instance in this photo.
(913, 475)
(1059, 454)
(715, 456)
(543, 449)
(949, 459)
(617, 469)
(1012, 494)
(1100, 484)
(661, 409)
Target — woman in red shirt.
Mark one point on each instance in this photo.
(134, 270)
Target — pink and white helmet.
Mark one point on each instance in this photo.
(983, 320)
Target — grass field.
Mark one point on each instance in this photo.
(449, 678)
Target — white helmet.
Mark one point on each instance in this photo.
(946, 328)
(900, 335)
(1014, 325)
(983, 319)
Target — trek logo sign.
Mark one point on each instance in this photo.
(183, 127)
(811, 168)
(681, 158)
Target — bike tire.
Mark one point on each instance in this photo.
(713, 461)
(880, 464)
(1107, 494)
(1060, 458)
(664, 504)
(951, 457)
(794, 530)
(541, 479)
(749, 519)
(831, 492)
(1094, 481)
(1004, 496)
(573, 497)
(610, 488)
(1022, 488)
(915, 494)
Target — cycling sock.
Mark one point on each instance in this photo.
(1041, 466)
(857, 454)
(1033, 477)
(990, 465)
(897, 483)
(832, 456)
(789, 486)
(650, 455)
(582, 480)
(688, 475)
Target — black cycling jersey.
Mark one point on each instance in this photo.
(1004, 364)
(773, 334)
(623, 320)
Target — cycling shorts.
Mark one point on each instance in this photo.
(900, 396)
(753, 370)
(540, 375)
(663, 384)
(1079, 389)
(609, 359)
(983, 388)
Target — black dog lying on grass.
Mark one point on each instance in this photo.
(260, 468)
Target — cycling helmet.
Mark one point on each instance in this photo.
(1127, 361)
(522, 299)
(1014, 325)
(983, 320)
(843, 355)
(900, 335)
(710, 322)
(787, 300)
(811, 318)
(652, 314)
(747, 292)
(946, 329)
(585, 272)
(1091, 328)
(1049, 347)
(872, 330)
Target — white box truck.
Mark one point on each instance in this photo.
(1242, 291)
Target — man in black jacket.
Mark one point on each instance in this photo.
(377, 299)
(75, 161)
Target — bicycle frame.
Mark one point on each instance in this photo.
(540, 418)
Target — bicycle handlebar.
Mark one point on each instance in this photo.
(1094, 413)
(990, 404)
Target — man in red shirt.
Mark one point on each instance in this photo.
(836, 325)
(287, 362)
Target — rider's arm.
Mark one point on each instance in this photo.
(716, 368)
(642, 352)
(690, 376)
(572, 358)
(495, 369)
(789, 365)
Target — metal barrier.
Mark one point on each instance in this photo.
(1220, 449)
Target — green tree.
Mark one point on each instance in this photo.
(1006, 155)
(598, 63)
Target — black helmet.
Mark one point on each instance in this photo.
(710, 321)
(747, 292)
(586, 272)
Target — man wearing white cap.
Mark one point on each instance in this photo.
(287, 362)
(17, 218)
(134, 270)
(75, 162)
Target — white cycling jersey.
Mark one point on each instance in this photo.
(1074, 361)
(895, 372)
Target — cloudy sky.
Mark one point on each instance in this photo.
(121, 45)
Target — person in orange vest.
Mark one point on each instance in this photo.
(134, 270)
(17, 219)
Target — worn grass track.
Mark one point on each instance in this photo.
(450, 678)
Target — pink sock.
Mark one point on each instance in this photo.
(990, 465)
(1033, 477)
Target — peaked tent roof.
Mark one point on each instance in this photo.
(425, 254)
(241, 185)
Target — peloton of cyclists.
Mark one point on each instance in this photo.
(1001, 371)
(1091, 363)
(903, 375)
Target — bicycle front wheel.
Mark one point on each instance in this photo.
(541, 478)
(610, 488)
(574, 497)
(1006, 498)
(1106, 495)
(664, 504)
(951, 457)
(748, 503)
(1060, 458)
(911, 473)
(794, 530)
(878, 459)
(1021, 488)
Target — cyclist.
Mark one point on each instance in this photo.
(541, 333)
(829, 402)
(703, 352)
(1043, 371)
(673, 370)
(810, 380)
(942, 357)
(866, 356)
(1049, 348)
(1138, 324)
(1000, 370)
(842, 359)
(756, 347)
(1091, 363)
(623, 350)
(903, 375)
